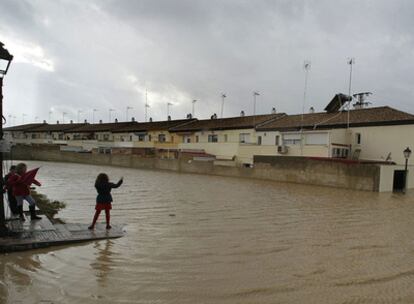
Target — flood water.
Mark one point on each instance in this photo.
(207, 239)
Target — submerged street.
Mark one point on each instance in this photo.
(207, 239)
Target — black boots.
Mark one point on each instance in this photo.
(33, 215)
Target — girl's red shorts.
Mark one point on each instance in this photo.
(103, 206)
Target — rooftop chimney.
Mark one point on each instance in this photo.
(169, 117)
(100, 121)
(242, 113)
(57, 122)
(273, 111)
(189, 116)
(71, 121)
(132, 119)
(150, 120)
(44, 121)
(214, 116)
(311, 110)
(116, 120)
(85, 121)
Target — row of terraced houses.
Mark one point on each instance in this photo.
(376, 134)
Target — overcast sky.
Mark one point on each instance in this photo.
(103, 54)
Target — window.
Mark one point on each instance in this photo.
(149, 137)
(130, 138)
(141, 137)
(259, 140)
(212, 138)
(292, 139)
(161, 137)
(358, 138)
(197, 139)
(277, 140)
(340, 152)
(316, 139)
(244, 138)
(60, 136)
(186, 139)
(172, 139)
(225, 137)
(106, 137)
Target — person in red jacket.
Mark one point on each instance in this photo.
(21, 190)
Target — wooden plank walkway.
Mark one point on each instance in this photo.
(43, 233)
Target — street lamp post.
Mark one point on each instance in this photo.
(5, 60)
(407, 154)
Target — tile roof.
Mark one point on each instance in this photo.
(101, 127)
(56, 127)
(242, 122)
(357, 118)
(25, 127)
(154, 126)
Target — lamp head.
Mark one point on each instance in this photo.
(5, 60)
(407, 153)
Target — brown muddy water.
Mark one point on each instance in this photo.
(206, 239)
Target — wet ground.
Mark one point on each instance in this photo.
(206, 239)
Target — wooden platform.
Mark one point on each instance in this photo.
(43, 233)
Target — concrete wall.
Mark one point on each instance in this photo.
(283, 169)
(387, 177)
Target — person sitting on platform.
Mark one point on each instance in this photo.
(20, 182)
(104, 198)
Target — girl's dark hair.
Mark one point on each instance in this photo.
(20, 168)
(101, 178)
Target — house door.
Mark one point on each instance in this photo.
(399, 180)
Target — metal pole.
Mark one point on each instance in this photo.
(3, 228)
(306, 66)
(350, 62)
(193, 108)
(146, 104)
(222, 104)
(405, 175)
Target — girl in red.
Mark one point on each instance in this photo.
(21, 190)
(104, 198)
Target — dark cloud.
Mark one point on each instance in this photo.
(103, 54)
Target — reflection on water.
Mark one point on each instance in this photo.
(230, 241)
